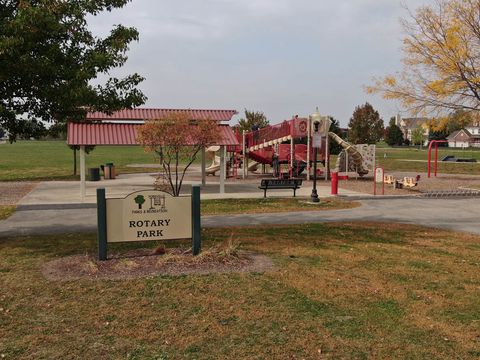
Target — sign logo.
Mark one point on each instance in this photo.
(157, 204)
(140, 200)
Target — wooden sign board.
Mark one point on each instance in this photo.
(146, 216)
(149, 215)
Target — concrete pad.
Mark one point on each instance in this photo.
(68, 192)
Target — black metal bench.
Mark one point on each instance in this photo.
(268, 184)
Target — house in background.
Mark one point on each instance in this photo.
(463, 139)
(459, 139)
(474, 128)
(467, 137)
(408, 125)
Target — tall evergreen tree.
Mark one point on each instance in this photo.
(393, 134)
(366, 126)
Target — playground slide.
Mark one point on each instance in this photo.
(355, 157)
(253, 166)
(215, 167)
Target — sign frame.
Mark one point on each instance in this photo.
(376, 174)
(102, 234)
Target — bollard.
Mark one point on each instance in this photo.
(334, 175)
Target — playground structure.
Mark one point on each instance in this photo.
(275, 145)
(215, 166)
(355, 158)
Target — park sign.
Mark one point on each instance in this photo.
(147, 216)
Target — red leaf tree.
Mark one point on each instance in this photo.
(177, 139)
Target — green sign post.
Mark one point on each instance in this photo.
(148, 215)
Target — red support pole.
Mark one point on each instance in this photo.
(436, 158)
(430, 156)
(334, 183)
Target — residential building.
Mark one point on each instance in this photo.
(408, 125)
(463, 139)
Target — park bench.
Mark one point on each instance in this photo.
(268, 184)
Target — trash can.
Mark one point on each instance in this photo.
(94, 174)
(109, 172)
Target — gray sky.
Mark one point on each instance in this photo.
(282, 57)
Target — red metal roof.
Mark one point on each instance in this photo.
(141, 114)
(123, 134)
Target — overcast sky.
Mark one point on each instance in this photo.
(282, 57)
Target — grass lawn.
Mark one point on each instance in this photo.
(415, 160)
(243, 206)
(338, 291)
(53, 160)
(6, 211)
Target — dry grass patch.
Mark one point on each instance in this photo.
(339, 291)
(219, 258)
(6, 211)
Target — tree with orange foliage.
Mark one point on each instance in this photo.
(174, 139)
(441, 60)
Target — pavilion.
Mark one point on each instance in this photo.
(120, 128)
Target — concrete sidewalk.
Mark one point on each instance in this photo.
(68, 192)
(452, 214)
(55, 207)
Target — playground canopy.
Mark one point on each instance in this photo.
(120, 128)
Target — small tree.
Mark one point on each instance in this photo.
(252, 118)
(366, 126)
(393, 134)
(333, 147)
(176, 138)
(418, 136)
(458, 120)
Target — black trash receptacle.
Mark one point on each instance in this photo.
(94, 174)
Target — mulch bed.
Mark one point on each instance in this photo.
(12, 192)
(144, 263)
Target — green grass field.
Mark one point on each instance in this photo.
(53, 160)
(415, 160)
(346, 291)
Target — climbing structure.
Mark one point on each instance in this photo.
(355, 158)
(274, 145)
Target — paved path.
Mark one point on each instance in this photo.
(454, 214)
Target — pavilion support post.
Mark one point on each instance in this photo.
(204, 174)
(327, 157)
(308, 148)
(291, 156)
(222, 169)
(244, 151)
(82, 174)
